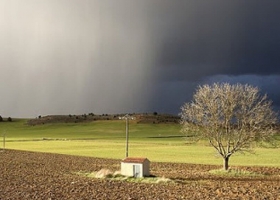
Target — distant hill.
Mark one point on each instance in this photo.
(149, 118)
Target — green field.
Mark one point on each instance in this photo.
(106, 139)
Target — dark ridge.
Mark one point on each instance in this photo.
(144, 118)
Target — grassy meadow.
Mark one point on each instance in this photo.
(106, 139)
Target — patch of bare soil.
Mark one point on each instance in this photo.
(31, 175)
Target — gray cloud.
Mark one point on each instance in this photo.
(70, 56)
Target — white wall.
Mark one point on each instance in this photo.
(127, 169)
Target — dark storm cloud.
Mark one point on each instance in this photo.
(266, 84)
(225, 37)
(79, 56)
(219, 41)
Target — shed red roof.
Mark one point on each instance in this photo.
(134, 160)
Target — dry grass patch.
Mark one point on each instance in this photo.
(235, 173)
(117, 176)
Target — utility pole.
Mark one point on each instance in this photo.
(126, 133)
(127, 117)
(4, 140)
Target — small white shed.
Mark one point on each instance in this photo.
(136, 167)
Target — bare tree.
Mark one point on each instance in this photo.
(231, 117)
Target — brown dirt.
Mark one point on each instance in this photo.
(31, 175)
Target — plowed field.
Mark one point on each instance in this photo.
(30, 175)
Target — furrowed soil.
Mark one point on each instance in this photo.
(32, 175)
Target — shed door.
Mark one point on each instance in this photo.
(136, 170)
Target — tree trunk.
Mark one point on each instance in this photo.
(226, 159)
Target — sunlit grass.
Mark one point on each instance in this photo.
(106, 139)
(155, 152)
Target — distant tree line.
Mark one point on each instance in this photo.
(9, 119)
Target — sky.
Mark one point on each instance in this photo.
(131, 56)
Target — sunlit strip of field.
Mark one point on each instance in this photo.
(161, 152)
(107, 139)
